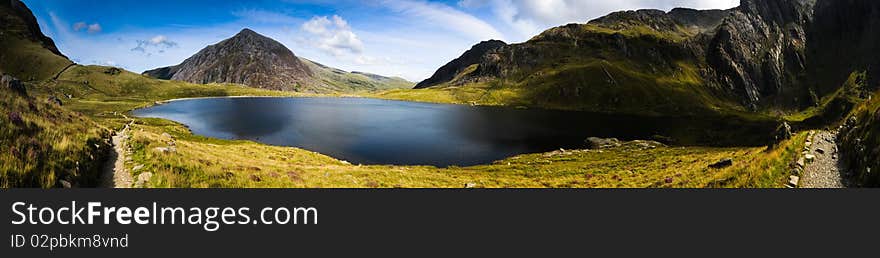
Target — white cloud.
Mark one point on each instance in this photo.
(79, 26)
(159, 42)
(444, 16)
(332, 35)
(94, 28)
(90, 28)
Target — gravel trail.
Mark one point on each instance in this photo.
(822, 162)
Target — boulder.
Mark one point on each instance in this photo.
(54, 100)
(602, 143)
(13, 84)
(166, 149)
(112, 71)
(470, 185)
(726, 162)
(783, 132)
(143, 179)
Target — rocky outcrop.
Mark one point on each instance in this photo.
(246, 58)
(757, 51)
(450, 70)
(164, 73)
(13, 84)
(859, 144)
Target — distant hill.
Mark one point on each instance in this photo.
(342, 81)
(258, 61)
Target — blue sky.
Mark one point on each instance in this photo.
(407, 38)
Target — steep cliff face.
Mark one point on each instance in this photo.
(246, 58)
(844, 37)
(758, 51)
(448, 72)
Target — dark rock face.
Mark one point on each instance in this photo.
(27, 23)
(758, 49)
(164, 73)
(699, 20)
(247, 58)
(470, 57)
(844, 37)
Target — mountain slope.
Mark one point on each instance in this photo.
(255, 60)
(629, 62)
(35, 56)
(685, 61)
(246, 58)
(42, 144)
(460, 64)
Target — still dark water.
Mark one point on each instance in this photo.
(372, 131)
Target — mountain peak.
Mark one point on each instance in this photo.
(247, 32)
(247, 58)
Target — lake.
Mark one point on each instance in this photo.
(373, 131)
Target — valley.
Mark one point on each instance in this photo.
(679, 67)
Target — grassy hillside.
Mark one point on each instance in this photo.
(42, 143)
(631, 70)
(23, 56)
(349, 82)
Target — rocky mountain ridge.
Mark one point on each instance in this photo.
(763, 55)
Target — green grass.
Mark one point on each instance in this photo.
(207, 162)
(27, 55)
(50, 144)
(69, 142)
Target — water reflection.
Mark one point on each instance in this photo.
(371, 131)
